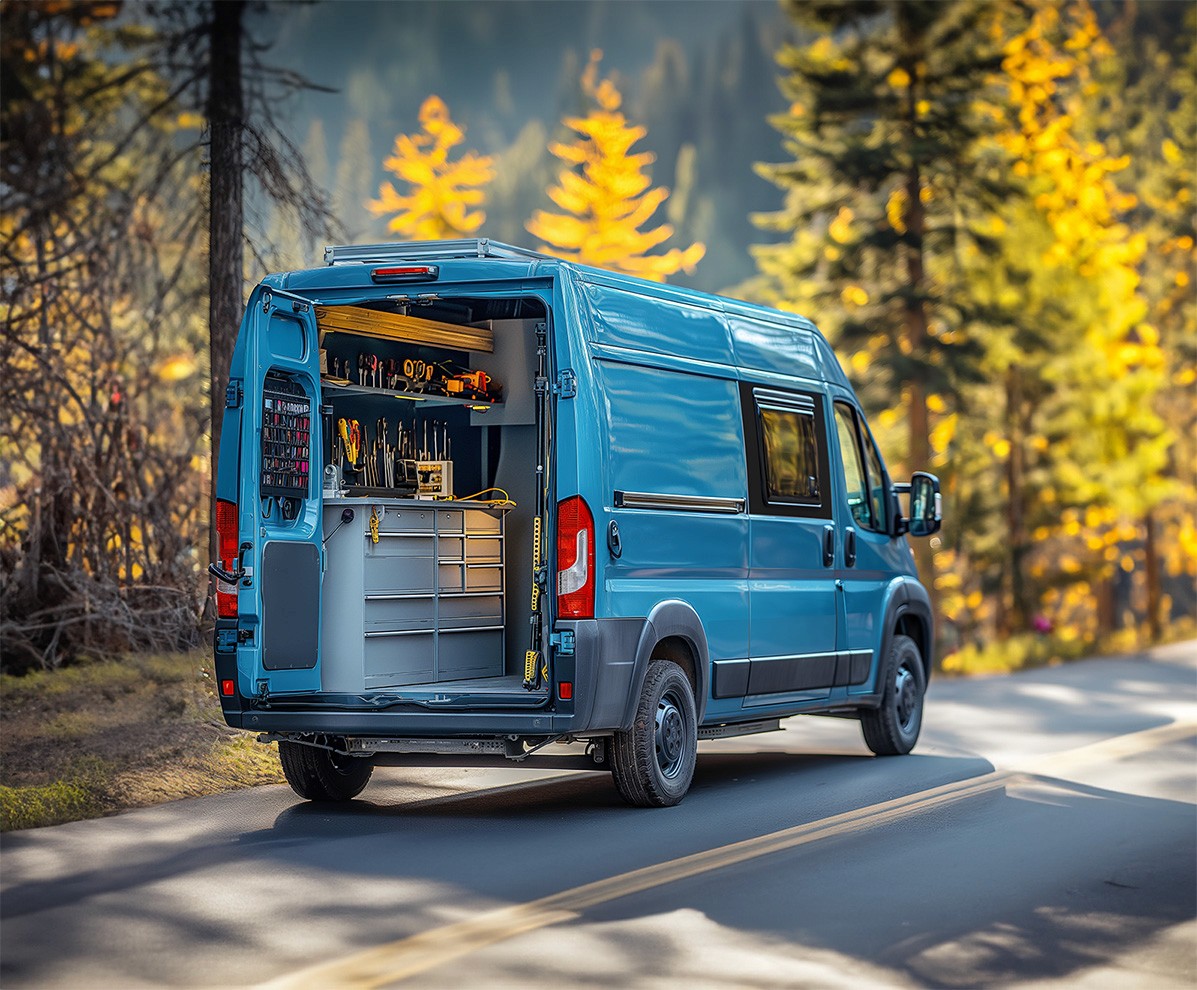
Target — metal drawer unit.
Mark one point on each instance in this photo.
(425, 604)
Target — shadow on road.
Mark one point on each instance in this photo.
(1040, 881)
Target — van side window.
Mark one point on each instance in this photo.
(787, 452)
(791, 463)
(877, 486)
(863, 476)
(854, 476)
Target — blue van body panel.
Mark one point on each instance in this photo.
(657, 413)
(617, 316)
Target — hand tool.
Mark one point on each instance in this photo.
(351, 435)
(380, 451)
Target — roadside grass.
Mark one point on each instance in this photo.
(1030, 650)
(104, 736)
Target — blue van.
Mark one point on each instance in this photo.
(474, 502)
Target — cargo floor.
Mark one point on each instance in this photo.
(510, 689)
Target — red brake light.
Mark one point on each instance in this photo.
(228, 688)
(575, 559)
(565, 690)
(406, 273)
(226, 550)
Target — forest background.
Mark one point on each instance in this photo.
(988, 208)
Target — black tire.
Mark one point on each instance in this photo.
(653, 763)
(892, 729)
(321, 775)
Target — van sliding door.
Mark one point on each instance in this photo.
(793, 546)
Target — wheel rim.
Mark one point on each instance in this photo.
(906, 696)
(344, 765)
(670, 736)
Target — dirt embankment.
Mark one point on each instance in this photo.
(102, 737)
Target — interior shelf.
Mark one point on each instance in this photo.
(477, 405)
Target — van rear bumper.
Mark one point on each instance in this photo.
(602, 670)
(430, 725)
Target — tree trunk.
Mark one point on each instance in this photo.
(914, 321)
(226, 114)
(915, 330)
(1016, 617)
(1154, 590)
(1107, 605)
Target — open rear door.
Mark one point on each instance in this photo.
(278, 600)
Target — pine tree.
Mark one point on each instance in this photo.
(1162, 170)
(890, 180)
(443, 194)
(1084, 448)
(605, 194)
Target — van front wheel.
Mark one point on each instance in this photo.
(653, 763)
(322, 775)
(892, 728)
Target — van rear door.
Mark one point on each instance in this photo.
(279, 496)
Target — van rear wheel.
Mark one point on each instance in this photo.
(653, 762)
(322, 775)
(892, 728)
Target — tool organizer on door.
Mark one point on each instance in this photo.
(423, 604)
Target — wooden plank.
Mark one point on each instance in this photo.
(410, 329)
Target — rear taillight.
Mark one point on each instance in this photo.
(226, 551)
(575, 560)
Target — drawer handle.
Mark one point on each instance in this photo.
(400, 598)
(461, 629)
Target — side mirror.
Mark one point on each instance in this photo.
(926, 504)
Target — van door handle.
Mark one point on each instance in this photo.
(828, 546)
(849, 547)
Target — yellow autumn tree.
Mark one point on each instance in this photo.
(1077, 367)
(442, 195)
(604, 191)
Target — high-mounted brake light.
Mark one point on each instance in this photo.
(406, 273)
(575, 559)
(226, 551)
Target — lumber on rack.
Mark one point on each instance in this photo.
(410, 329)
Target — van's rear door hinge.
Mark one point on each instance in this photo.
(567, 384)
(563, 642)
(232, 394)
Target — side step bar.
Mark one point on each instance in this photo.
(739, 729)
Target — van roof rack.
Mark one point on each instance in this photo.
(471, 247)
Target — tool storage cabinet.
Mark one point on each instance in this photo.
(423, 605)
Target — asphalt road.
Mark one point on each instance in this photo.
(1044, 833)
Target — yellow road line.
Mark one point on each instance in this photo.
(402, 959)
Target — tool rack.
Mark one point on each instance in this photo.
(423, 605)
(427, 398)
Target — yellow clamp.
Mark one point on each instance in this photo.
(535, 562)
(373, 524)
(530, 663)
